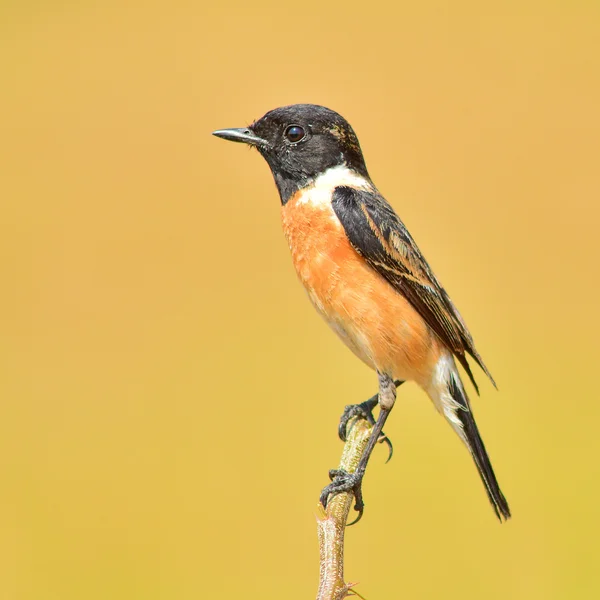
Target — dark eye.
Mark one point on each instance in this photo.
(294, 133)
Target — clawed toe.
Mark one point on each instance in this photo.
(364, 410)
(342, 481)
(384, 439)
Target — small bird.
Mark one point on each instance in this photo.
(366, 276)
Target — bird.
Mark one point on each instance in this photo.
(365, 275)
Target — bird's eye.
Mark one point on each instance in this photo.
(294, 133)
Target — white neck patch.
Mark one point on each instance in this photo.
(319, 192)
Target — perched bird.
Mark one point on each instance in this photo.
(366, 276)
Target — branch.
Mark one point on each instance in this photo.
(332, 522)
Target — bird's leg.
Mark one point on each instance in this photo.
(364, 410)
(342, 481)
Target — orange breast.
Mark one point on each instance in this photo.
(377, 323)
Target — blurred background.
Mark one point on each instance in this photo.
(169, 398)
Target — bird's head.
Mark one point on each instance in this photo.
(300, 142)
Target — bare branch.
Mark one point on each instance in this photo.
(332, 523)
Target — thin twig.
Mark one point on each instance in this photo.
(332, 522)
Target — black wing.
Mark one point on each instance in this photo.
(377, 234)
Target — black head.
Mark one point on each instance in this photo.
(300, 142)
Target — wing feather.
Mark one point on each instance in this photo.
(378, 234)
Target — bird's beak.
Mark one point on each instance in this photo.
(242, 134)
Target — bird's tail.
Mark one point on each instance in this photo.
(457, 410)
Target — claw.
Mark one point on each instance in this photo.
(364, 410)
(342, 481)
(361, 512)
(384, 439)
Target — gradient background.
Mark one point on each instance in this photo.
(169, 398)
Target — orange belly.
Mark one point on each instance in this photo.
(377, 323)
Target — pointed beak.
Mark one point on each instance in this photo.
(242, 134)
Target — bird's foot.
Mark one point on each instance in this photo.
(364, 410)
(342, 481)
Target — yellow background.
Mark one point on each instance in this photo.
(169, 399)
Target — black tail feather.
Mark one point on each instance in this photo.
(477, 448)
